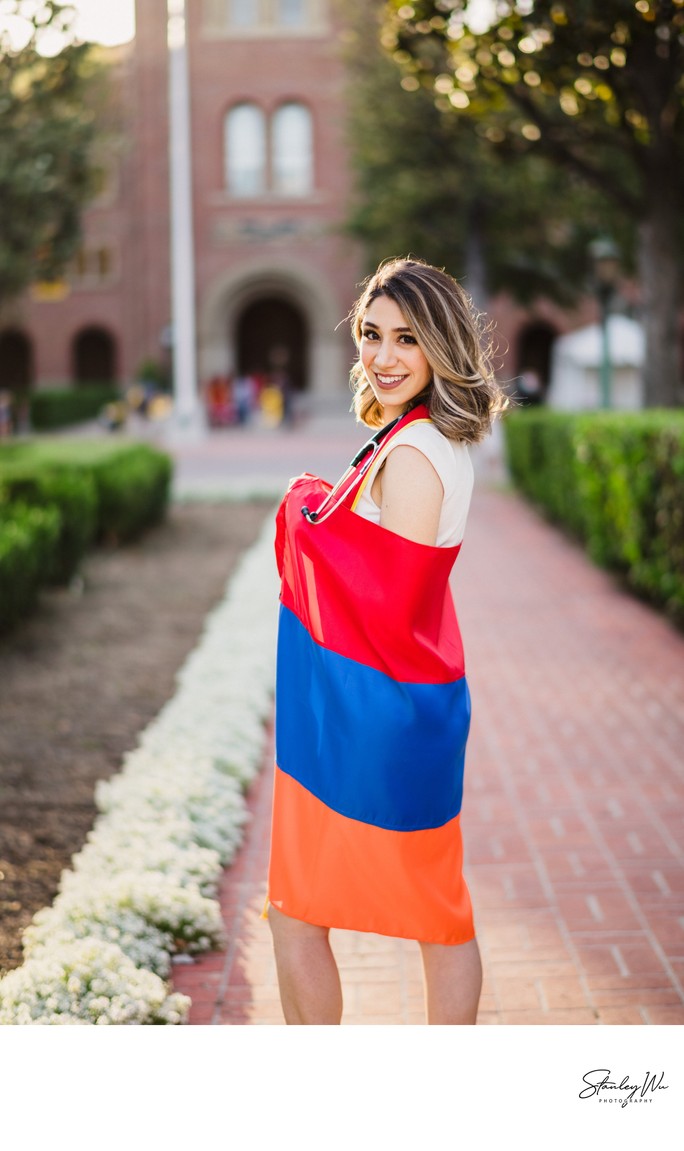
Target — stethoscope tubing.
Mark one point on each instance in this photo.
(371, 445)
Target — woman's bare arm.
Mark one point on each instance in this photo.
(412, 495)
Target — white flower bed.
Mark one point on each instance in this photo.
(87, 981)
(143, 888)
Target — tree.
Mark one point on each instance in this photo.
(597, 87)
(430, 183)
(47, 126)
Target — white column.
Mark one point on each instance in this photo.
(187, 409)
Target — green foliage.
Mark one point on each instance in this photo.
(58, 497)
(59, 407)
(596, 88)
(50, 450)
(28, 540)
(595, 85)
(132, 481)
(541, 456)
(72, 492)
(404, 153)
(133, 487)
(430, 182)
(47, 127)
(154, 372)
(616, 481)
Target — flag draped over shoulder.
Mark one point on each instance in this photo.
(372, 718)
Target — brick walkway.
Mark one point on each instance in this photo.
(572, 813)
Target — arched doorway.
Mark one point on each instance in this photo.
(94, 357)
(535, 342)
(271, 336)
(328, 349)
(16, 361)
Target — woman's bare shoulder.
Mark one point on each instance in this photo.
(412, 495)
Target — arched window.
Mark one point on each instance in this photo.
(292, 150)
(16, 360)
(94, 357)
(245, 150)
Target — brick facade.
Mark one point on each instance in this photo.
(265, 264)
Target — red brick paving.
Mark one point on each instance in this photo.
(572, 813)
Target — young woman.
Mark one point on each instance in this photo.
(372, 704)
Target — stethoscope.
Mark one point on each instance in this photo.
(373, 446)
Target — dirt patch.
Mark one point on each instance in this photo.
(85, 675)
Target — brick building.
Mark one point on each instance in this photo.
(274, 275)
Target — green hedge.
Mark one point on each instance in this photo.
(616, 481)
(133, 486)
(28, 543)
(72, 491)
(132, 481)
(81, 491)
(59, 407)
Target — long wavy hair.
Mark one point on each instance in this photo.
(462, 396)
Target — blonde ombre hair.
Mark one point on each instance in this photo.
(462, 395)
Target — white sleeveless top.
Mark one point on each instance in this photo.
(450, 459)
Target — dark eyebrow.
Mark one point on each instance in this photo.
(370, 324)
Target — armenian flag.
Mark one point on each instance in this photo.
(371, 723)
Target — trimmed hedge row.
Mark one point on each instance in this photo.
(615, 480)
(59, 407)
(28, 541)
(89, 492)
(73, 493)
(132, 492)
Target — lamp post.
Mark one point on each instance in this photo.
(182, 251)
(606, 263)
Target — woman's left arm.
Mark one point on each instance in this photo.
(412, 495)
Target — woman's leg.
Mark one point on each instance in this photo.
(309, 981)
(453, 980)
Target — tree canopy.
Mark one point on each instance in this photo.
(430, 182)
(47, 127)
(597, 87)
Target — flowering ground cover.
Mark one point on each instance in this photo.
(81, 680)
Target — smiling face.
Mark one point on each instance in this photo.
(394, 365)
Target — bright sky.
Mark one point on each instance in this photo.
(113, 21)
(104, 21)
(481, 14)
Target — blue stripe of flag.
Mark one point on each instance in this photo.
(386, 753)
